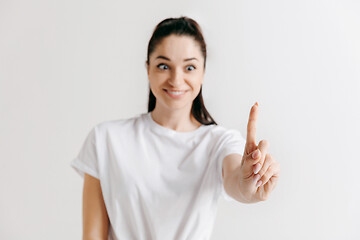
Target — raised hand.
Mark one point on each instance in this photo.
(259, 172)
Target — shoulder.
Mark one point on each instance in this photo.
(222, 132)
(120, 124)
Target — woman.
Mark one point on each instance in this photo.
(159, 175)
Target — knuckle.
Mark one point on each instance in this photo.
(266, 177)
(266, 168)
(262, 172)
(265, 143)
(271, 160)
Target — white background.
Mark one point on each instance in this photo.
(68, 65)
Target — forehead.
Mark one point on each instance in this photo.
(174, 46)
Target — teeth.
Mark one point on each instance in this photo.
(175, 93)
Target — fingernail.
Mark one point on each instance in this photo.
(257, 168)
(256, 178)
(256, 103)
(256, 154)
(258, 183)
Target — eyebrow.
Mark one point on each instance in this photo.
(186, 59)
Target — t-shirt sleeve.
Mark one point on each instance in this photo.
(232, 142)
(87, 161)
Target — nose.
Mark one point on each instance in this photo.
(176, 78)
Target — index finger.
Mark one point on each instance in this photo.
(251, 129)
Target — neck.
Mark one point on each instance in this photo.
(177, 120)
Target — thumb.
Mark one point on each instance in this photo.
(249, 164)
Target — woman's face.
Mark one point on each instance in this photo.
(176, 65)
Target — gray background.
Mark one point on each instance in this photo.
(68, 65)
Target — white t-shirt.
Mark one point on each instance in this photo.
(158, 183)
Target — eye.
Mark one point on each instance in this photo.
(192, 67)
(161, 64)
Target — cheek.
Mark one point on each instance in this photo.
(155, 85)
(196, 81)
(154, 79)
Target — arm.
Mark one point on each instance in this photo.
(95, 218)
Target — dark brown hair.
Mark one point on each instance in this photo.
(188, 27)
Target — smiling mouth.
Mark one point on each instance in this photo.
(175, 93)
